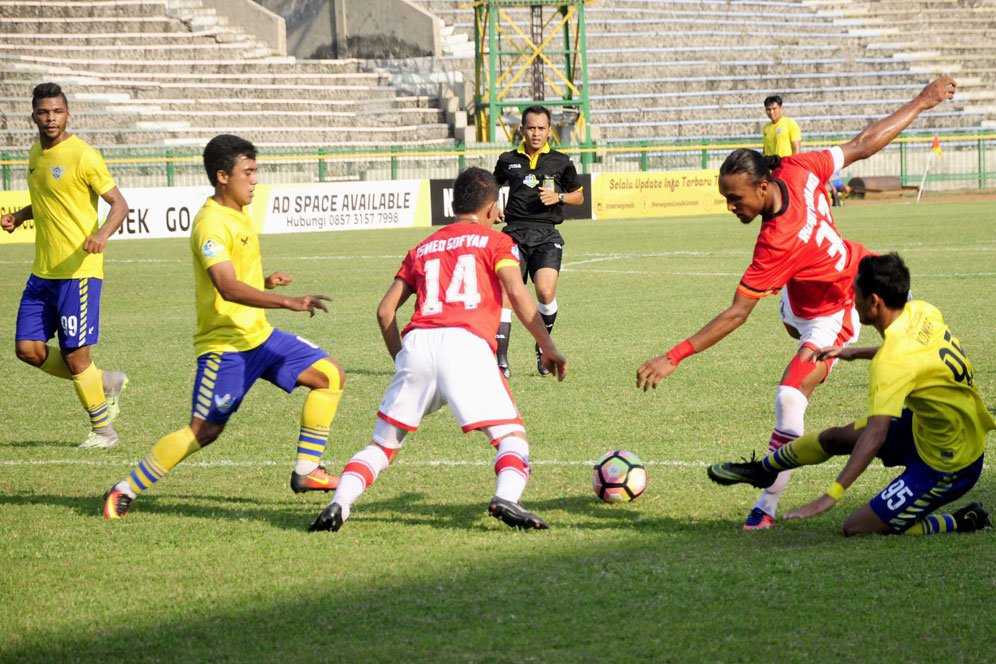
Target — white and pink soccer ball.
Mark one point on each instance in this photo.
(619, 477)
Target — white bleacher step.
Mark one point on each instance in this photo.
(101, 97)
(152, 125)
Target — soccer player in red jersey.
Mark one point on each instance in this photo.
(800, 253)
(445, 355)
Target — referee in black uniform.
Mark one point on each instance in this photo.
(540, 182)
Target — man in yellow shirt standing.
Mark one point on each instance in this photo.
(62, 296)
(234, 342)
(923, 413)
(781, 136)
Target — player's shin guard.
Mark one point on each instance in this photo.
(790, 412)
(548, 312)
(164, 456)
(90, 390)
(503, 336)
(55, 364)
(361, 471)
(316, 422)
(512, 468)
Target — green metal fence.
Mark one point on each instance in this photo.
(967, 161)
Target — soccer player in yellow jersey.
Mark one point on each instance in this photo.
(62, 296)
(782, 135)
(923, 413)
(234, 342)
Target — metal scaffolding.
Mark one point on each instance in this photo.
(520, 56)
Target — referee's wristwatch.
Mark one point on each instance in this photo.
(561, 197)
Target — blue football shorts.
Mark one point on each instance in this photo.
(920, 489)
(223, 379)
(69, 307)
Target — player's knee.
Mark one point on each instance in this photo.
(837, 440)
(206, 432)
(388, 436)
(30, 353)
(332, 372)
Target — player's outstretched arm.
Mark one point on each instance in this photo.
(869, 442)
(654, 371)
(10, 221)
(232, 289)
(96, 243)
(387, 314)
(525, 309)
(846, 354)
(877, 135)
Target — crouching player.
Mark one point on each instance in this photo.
(235, 344)
(446, 353)
(923, 413)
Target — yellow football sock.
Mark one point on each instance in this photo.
(316, 422)
(933, 524)
(169, 451)
(55, 364)
(803, 451)
(90, 390)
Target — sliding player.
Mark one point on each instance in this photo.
(800, 253)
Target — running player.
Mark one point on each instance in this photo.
(446, 353)
(62, 296)
(800, 253)
(541, 181)
(923, 414)
(234, 342)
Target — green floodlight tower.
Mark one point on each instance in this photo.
(548, 51)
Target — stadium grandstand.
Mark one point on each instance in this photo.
(169, 74)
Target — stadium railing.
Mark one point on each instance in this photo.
(968, 160)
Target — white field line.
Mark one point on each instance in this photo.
(226, 463)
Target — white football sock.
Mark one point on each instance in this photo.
(512, 468)
(790, 414)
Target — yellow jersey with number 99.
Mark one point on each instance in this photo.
(922, 365)
(221, 234)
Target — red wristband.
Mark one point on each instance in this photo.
(680, 352)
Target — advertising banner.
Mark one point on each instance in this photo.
(160, 212)
(662, 194)
(338, 206)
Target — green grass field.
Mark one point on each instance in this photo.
(214, 563)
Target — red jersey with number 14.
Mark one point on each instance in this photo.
(799, 247)
(454, 273)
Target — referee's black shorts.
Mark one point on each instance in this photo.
(539, 247)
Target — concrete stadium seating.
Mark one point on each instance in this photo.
(170, 72)
(663, 69)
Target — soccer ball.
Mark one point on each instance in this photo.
(619, 477)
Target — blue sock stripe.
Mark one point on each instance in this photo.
(137, 481)
(149, 473)
(303, 451)
(314, 440)
(154, 465)
(949, 520)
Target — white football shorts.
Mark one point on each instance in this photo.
(839, 329)
(448, 365)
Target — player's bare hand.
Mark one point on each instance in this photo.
(822, 504)
(309, 303)
(277, 279)
(95, 244)
(653, 372)
(548, 197)
(555, 363)
(937, 91)
(8, 222)
(830, 352)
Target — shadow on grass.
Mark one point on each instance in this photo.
(39, 443)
